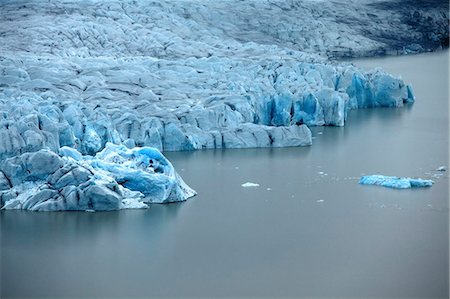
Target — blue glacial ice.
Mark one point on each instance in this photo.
(264, 106)
(89, 85)
(115, 178)
(395, 182)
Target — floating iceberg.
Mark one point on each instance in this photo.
(249, 184)
(395, 182)
(116, 178)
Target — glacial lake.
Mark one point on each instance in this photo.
(308, 230)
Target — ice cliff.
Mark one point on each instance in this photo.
(95, 76)
(180, 105)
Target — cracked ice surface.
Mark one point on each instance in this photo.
(178, 75)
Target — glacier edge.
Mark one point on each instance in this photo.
(89, 86)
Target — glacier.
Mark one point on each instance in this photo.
(98, 88)
(395, 182)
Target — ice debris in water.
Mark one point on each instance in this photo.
(441, 168)
(394, 182)
(250, 184)
(115, 178)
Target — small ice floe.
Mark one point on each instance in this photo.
(268, 189)
(321, 172)
(319, 133)
(394, 182)
(441, 168)
(236, 167)
(320, 200)
(250, 184)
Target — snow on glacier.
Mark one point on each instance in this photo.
(395, 182)
(89, 84)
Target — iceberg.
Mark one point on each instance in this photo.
(441, 168)
(395, 182)
(115, 178)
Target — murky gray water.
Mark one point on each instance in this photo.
(310, 235)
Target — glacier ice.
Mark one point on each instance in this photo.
(115, 178)
(395, 182)
(143, 169)
(252, 111)
(92, 79)
(95, 82)
(174, 28)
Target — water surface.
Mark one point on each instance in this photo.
(315, 233)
